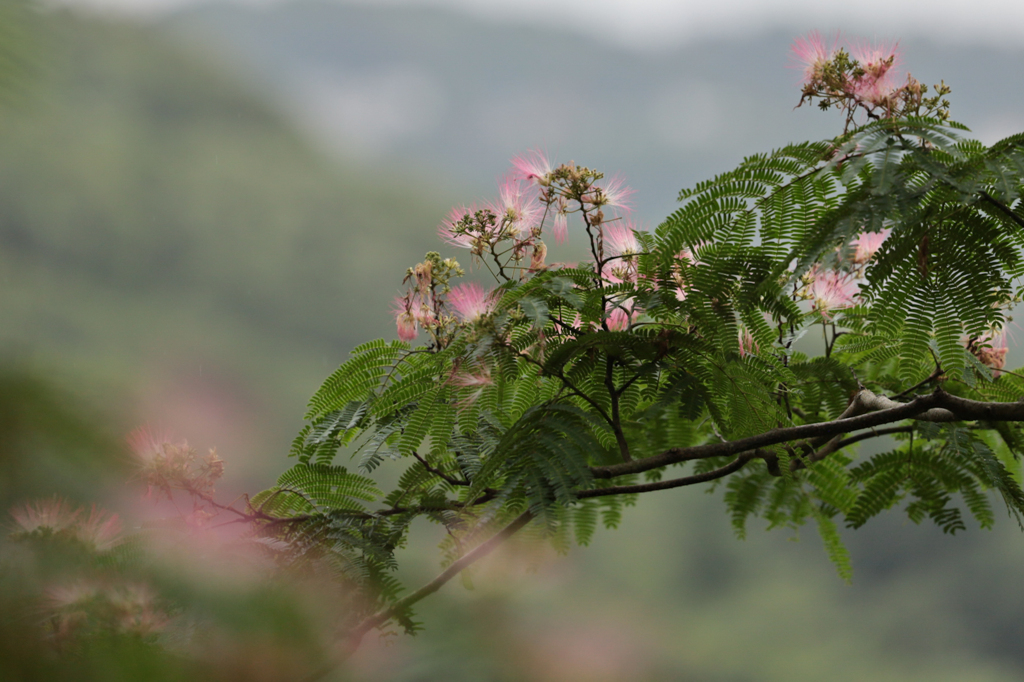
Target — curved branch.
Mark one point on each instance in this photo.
(478, 552)
(729, 468)
(938, 406)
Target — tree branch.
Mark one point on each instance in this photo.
(729, 468)
(437, 472)
(873, 433)
(938, 406)
(478, 552)
(1002, 207)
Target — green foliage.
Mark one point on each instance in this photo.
(781, 295)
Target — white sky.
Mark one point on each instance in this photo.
(653, 23)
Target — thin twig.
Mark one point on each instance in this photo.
(729, 468)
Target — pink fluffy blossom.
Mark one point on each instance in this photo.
(618, 320)
(405, 318)
(622, 315)
(748, 345)
(812, 53)
(167, 466)
(830, 290)
(685, 256)
(620, 237)
(877, 59)
(613, 194)
(450, 231)
(991, 350)
(867, 244)
(68, 595)
(135, 605)
(100, 529)
(475, 380)
(532, 166)
(515, 208)
(561, 227)
(879, 80)
(618, 271)
(480, 377)
(54, 514)
(876, 91)
(540, 252)
(471, 302)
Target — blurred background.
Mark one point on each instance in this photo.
(205, 205)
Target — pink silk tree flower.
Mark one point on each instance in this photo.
(100, 529)
(877, 59)
(577, 324)
(618, 271)
(480, 377)
(614, 194)
(560, 228)
(876, 91)
(540, 252)
(424, 311)
(476, 380)
(622, 315)
(405, 318)
(471, 302)
(532, 166)
(684, 256)
(830, 290)
(867, 245)
(991, 350)
(748, 345)
(54, 514)
(515, 209)
(620, 237)
(59, 597)
(618, 320)
(811, 54)
(449, 231)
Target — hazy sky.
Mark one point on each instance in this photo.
(653, 23)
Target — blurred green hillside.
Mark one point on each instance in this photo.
(155, 217)
(172, 250)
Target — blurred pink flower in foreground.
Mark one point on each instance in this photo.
(867, 244)
(167, 466)
(54, 515)
(99, 530)
(471, 302)
(830, 290)
(129, 608)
